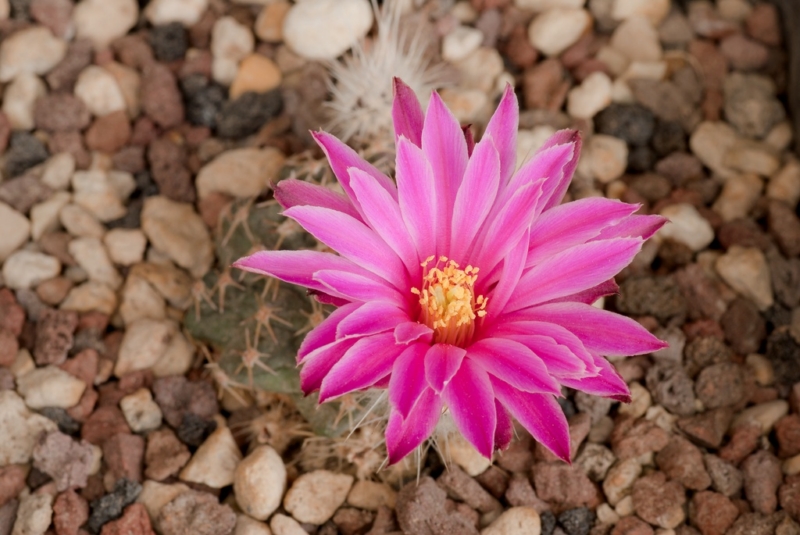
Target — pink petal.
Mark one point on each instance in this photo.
(540, 414)
(475, 197)
(319, 362)
(383, 215)
(470, 399)
(469, 138)
(292, 192)
(574, 223)
(445, 150)
(442, 361)
(325, 332)
(600, 331)
(556, 189)
(417, 197)
(411, 331)
(505, 427)
(576, 269)
(635, 226)
(546, 166)
(607, 383)
(371, 318)
(357, 287)
(370, 359)
(503, 128)
(408, 378)
(353, 240)
(559, 360)
(407, 113)
(328, 299)
(518, 324)
(513, 265)
(514, 364)
(591, 295)
(404, 435)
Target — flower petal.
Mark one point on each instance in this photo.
(407, 113)
(371, 318)
(319, 362)
(325, 332)
(573, 270)
(591, 295)
(403, 435)
(353, 240)
(369, 360)
(513, 264)
(514, 364)
(442, 361)
(555, 189)
(635, 226)
(470, 399)
(408, 378)
(417, 197)
(469, 138)
(411, 331)
(540, 414)
(383, 215)
(503, 128)
(559, 360)
(504, 431)
(607, 383)
(546, 166)
(357, 287)
(600, 331)
(292, 192)
(475, 197)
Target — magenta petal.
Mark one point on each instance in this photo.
(442, 361)
(470, 400)
(325, 332)
(546, 166)
(292, 192)
(555, 189)
(513, 264)
(383, 215)
(475, 197)
(513, 326)
(353, 240)
(371, 318)
(403, 435)
(505, 427)
(514, 364)
(635, 226)
(411, 331)
(571, 271)
(591, 295)
(319, 362)
(417, 197)
(559, 360)
(469, 138)
(503, 128)
(408, 378)
(540, 414)
(407, 113)
(607, 383)
(369, 360)
(601, 331)
(357, 287)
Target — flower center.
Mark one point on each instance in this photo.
(448, 302)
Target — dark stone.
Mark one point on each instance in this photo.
(169, 41)
(36, 478)
(668, 137)
(576, 521)
(744, 232)
(548, 523)
(20, 9)
(785, 275)
(674, 254)
(66, 423)
(567, 406)
(784, 353)
(641, 159)
(672, 388)
(632, 123)
(194, 430)
(651, 186)
(203, 99)
(744, 327)
(132, 219)
(705, 351)
(655, 296)
(248, 113)
(110, 506)
(24, 152)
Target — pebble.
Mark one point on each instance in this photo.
(712, 513)
(608, 157)
(165, 454)
(725, 477)
(33, 50)
(659, 501)
(102, 21)
(80, 223)
(186, 12)
(169, 42)
(61, 113)
(637, 40)
(269, 23)
(315, 496)
(720, 385)
(791, 466)
(176, 230)
(141, 412)
(125, 246)
(45, 215)
(68, 461)
(762, 477)
(710, 142)
(655, 11)
(17, 230)
(466, 456)
(70, 512)
(155, 496)
(231, 42)
(325, 29)
(557, 29)
(422, 504)
(640, 402)
(460, 43)
(214, 463)
(683, 461)
(54, 336)
(753, 157)
(256, 73)
(109, 133)
(632, 123)
(750, 104)
(25, 151)
(57, 171)
(99, 91)
(259, 482)
(745, 270)
(286, 525)
(594, 94)
(247, 526)
(371, 495)
(247, 114)
(50, 386)
(24, 269)
(91, 255)
(140, 300)
(197, 513)
(160, 97)
(19, 99)
(686, 226)
(91, 296)
(144, 344)
(243, 172)
(619, 480)
(765, 414)
(134, 521)
(130, 84)
(515, 521)
(22, 426)
(744, 54)
(34, 514)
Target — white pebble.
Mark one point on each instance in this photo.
(57, 171)
(555, 30)
(215, 461)
(315, 496)
(286, 525)
(99, 90)
(25, 269)
(80, 223)
(16, 230)
(125, 246)
(710, 143)
(34, 514)
(637, 39)
(745, 270)
(187, 12)
(655, 11)
(144, 343)
(785, 185)
(686, 226)
(460, 43)
(21, 428)
(50, 387)
(767, 414)
(608, 157)
(95, 192)
(738, 196)
(325, 29)
(102, 21)
(34, 50)
(259, 482)
(516, 521)
(230, 43)
(371, 495)
(244, 172)
(140, 411)
(19, 99)
(45, 215)
(593, 95)
(91, 296)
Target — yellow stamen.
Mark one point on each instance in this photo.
(448, 302)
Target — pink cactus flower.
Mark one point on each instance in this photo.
(466, 286)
